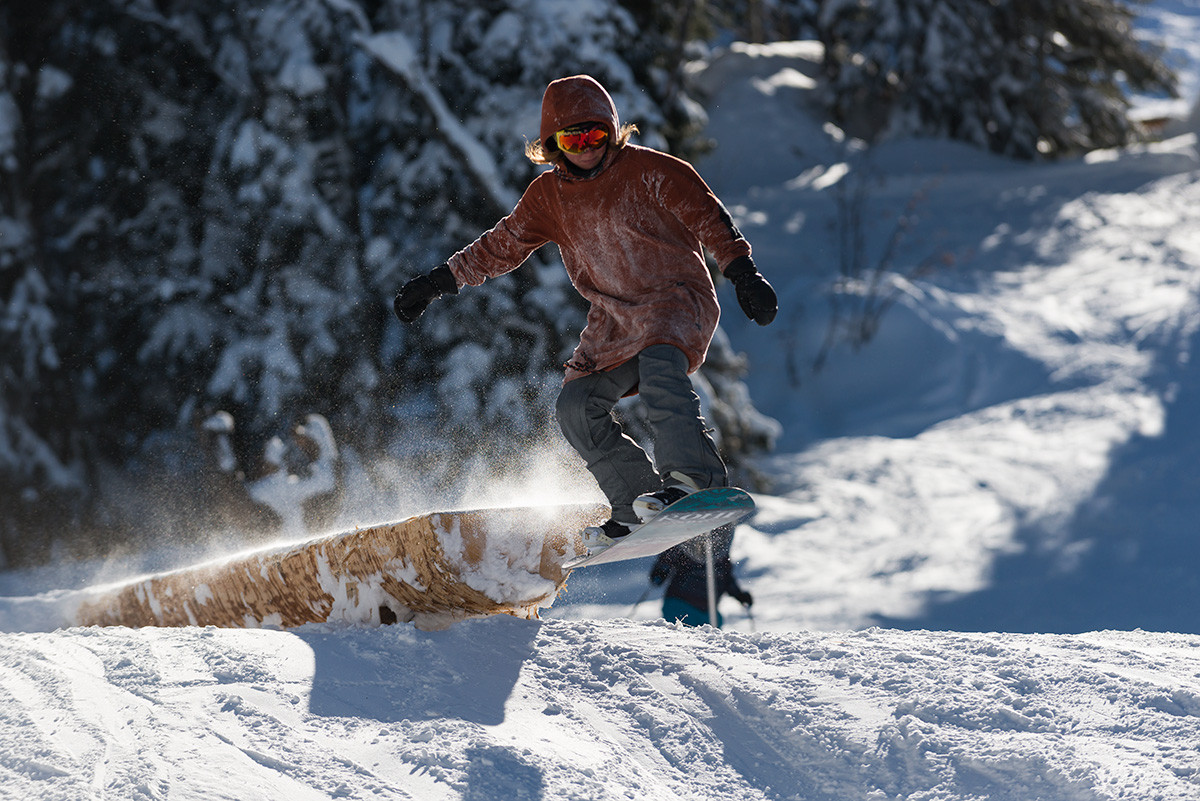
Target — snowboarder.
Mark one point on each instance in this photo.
(631, 224)
(682, 569)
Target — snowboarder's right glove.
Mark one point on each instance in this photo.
(741, 596)
(418, 293)
(754, 294)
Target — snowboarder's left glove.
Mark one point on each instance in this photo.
(418, 293)
(754, 294)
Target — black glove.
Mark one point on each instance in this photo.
(741, 596)
(754, 294)
(418, 293)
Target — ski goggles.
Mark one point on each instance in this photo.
(581, 138)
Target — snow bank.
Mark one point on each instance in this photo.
(503, 708)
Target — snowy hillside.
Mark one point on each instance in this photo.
(501, 709)
(1016, 450)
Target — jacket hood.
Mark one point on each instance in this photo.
(579, 98)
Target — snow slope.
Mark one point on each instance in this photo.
(1015, 451)
(508, 709)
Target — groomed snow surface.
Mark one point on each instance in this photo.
(1016, 451)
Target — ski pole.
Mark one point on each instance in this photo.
(638, 602)
(710, 575)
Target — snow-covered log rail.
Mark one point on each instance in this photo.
(432, 570)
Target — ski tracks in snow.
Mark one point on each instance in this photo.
(174, 713)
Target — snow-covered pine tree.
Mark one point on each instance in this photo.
(1025, 78)
(678, 22)
(42, 455)
(283, 303)
(221, 199)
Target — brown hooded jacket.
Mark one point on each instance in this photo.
(631, 234)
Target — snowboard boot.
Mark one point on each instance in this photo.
(651, 503)
(605, 535)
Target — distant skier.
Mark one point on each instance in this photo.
(631, 224)
(682, 569)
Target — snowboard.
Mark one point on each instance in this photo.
(687, 518)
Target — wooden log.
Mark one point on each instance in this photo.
(432, 569)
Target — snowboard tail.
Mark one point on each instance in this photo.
(687, 518)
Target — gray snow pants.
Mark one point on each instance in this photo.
(620, 466)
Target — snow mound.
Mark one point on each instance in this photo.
(505, 708)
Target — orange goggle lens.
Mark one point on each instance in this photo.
(570, 141)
